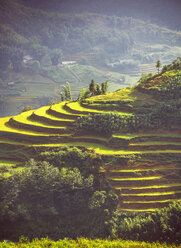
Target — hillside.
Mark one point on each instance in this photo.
(100, 166)
(66, 124)
(103, 47)
(150, 10)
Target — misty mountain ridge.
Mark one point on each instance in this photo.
(104, 47)
(161, 12)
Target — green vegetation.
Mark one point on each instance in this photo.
(153, 193)
(35, 46)
(134, 178)
(71, 169)
(82, 242)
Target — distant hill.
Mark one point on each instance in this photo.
(161, 12)
(116, 48)
(22, 26)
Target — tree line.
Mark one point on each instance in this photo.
(58, 195)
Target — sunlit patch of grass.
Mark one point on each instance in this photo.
(152, 193)
(90, 137)
(11, 171)
(98, 148)
(152, 143)
(13, 142)
(4, 126)
(60, 109)
(151, 186)
(8, 163)
(43, 112)
(134, 178)
(23, 118)
(101, 149)
(125, 94)
(77, 106)
(145, 169)
(139, 210)
(125, 136)
(155, 201)
(131, 136)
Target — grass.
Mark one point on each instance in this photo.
(139, 210)
(152, 169)
(4, 126)
(155, 201)
(153, 193)
(60, 109)
(152, 186)
(12, 142)
(84, 243)
(23, 118)
(43, 112)
(152, 143)
(7, 128)
(10, 171)
(8, 163)
(98, 148)
(91, 137)
(104, 150)
(77, 107)
(135, 178)
(125, 94)
(140, 135)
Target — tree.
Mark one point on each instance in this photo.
(81, 94)
(67, 92)
(38, 51)
(104, 87)
(56, 55)
(16, 59)
(158, 65)
(92, 87)
(26, 108)
(5, 54)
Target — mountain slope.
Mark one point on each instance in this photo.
(137, 136)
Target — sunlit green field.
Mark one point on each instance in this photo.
(84, 243)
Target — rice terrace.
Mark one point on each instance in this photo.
(130, 127)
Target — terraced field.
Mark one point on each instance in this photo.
(141, 186)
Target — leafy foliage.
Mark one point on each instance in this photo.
(81, 243)
(67, 92)
(72, 158)
(161, 115)
(163, 225)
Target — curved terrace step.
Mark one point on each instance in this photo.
(151, 189)
(155, 181)
(9, 163)
(32, 139)
(38, 128)
(155, 146)
(58, 110)
(136, 138)
(42, 115)
(157, 196)
(8, 130)
(107, 107)
(145, 205)
(76, 108)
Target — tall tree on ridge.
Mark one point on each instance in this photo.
(158, 65)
